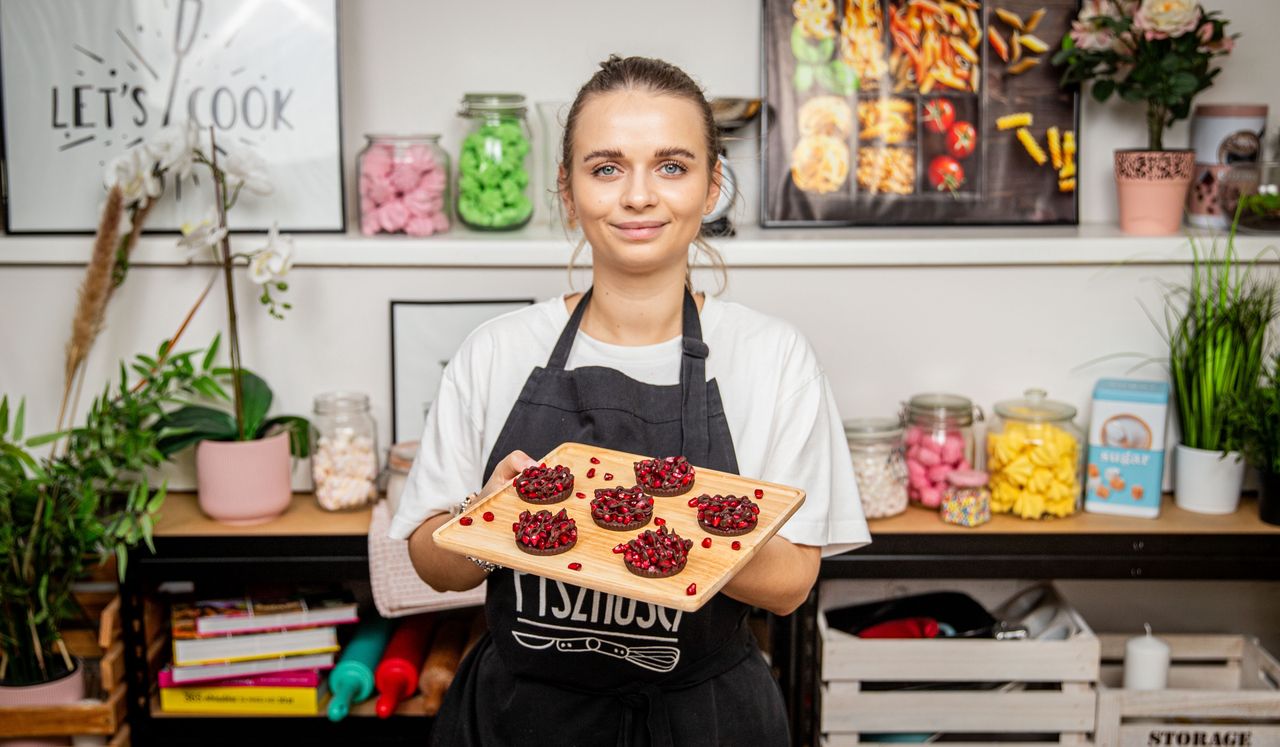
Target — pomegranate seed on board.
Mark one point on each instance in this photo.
(488, 516)
(465, 521)
(706, 542)
(575, 566)
(736, 545)
(759, 493)
(660, 521)
(608, 476)
(582, 495)
(591, 472)
(594, 460)
(693, 589)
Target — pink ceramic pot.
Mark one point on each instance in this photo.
(66, 689)
(244, 482)
(1151, 187)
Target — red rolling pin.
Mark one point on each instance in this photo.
(397, 673)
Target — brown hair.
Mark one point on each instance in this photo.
(655, 76)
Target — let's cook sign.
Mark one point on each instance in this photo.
(86, 80)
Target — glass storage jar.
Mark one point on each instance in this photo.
(1034, 455)
(404, 185)
(875, 444)
(344, 456)
(939, 438)
(493, 165)
(399, 462)
(966, 500)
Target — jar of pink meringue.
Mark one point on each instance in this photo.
(939, 440)
(404, 185)
(344, 451)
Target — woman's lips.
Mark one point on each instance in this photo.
(639, 230)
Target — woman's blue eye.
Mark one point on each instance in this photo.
(606, 170)
(672, 168)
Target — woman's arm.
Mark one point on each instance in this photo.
(445, 570)
(778, 578)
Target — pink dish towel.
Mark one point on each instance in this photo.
(397, 590)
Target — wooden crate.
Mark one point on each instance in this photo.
(102, 651)
(1033, 690)
(1223, 690)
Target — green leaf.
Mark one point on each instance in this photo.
(192, 424)
(122, 559)
(17, 420)
(299, 433)
(4, 416)
(208, 387)
(255, 400)
(211, 353)
(1102, 89)
(1183, 83)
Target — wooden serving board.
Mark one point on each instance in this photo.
(602, 569)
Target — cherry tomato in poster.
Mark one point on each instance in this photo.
(962, 138)
(946, 174)
(938, 115)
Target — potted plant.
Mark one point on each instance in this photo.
(1217, 327)
(243, 458)
(90, 499)
(1157, 52)
(1256, 421)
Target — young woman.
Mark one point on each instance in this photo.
(641, 364)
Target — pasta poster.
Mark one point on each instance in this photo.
(915, 112)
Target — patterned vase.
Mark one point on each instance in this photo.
(1151, 186)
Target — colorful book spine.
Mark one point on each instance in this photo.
(264, 701)
(302, 678)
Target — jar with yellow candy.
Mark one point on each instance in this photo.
(1034, 457)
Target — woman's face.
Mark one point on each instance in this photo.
(639, 182)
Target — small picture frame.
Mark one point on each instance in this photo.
(424, 337)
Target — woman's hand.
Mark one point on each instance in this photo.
(446, 570)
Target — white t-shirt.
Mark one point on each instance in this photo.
(777, 401)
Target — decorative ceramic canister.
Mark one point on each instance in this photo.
(1222, 135)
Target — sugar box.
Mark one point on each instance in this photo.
(1126, 447)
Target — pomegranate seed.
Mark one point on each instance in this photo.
(465, 521)
(575, 566)
(594, 460)
(693, 502)
(618, 549)
(706, 542)
(759, 493)
(608, 476)
(736, 545)
(488, 516)
(582, 495)
(693, 589)
(591, 472)
(660, 521)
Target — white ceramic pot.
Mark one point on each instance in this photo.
(1207, 482)
(66, 689)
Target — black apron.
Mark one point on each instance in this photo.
(564, 665)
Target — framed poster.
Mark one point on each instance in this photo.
(916, 112)
(424, 337)
(85, 81)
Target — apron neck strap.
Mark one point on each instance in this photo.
(693, 372)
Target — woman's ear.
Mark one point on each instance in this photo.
(566, 198)
(713, 192)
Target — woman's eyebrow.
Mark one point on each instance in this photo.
(670, 152)
(614, 153)
(603, 153)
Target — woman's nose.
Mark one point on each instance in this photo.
(639, 192)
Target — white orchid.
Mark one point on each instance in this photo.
(202, 236)
(174, 148)
(134, 172)
(246, 169)
(272, 262)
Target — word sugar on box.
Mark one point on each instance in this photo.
(1126, 447)
(484, 530)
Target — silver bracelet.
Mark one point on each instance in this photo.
(485, 565)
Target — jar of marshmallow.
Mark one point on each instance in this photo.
(344, 453)
(876, 447)
(404, 185)
(939, 440)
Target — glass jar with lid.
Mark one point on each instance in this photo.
(493, 165)
(399, 462)
(939, 438)
(875, 444)
(404, 185)
(966, 500)
(344, 455)
(1034, 455)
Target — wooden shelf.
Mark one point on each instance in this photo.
(1172, 520)
(181, 517)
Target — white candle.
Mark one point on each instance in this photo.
(1146, 663)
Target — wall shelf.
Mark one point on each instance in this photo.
(540, 246)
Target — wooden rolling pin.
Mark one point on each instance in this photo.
(442, 663)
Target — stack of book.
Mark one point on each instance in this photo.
(252, 656)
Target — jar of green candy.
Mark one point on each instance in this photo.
(493, 166)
